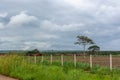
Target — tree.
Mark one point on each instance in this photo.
(33, 52)
(94, 49)
(84, 40)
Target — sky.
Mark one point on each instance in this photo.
(54, 24)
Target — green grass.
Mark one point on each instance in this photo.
(15, 66)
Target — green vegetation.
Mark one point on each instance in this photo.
(16, 66)
(80, 52)
(94, 49)
(60, 52)
(33, 52)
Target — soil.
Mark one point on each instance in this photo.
(2, 77)
(96, 60)
(102, 60)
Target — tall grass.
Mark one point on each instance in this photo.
(16, 66)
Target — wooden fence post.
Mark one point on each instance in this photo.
(62, 60)
(90, 61)
(111, 62)
(75, 60)
(35, 59)
(51, 58)
(42, 58)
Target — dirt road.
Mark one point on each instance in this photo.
(2, 77)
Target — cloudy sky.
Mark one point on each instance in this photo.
(54, 24)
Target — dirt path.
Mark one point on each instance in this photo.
(2, 77)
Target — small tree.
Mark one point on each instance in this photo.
(33, 52)
(94, 49)
(84, 40)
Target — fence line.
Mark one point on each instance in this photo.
(91, 60)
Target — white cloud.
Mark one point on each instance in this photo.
(106, 31)
(20, 19)
(114, 42)
(2, 15)
(45, 35)
(10, 39)
(49, 36)
(87, 32)
(112, 45)
(66, 27)
(33, 45)
(108, 14)
(80, 3)
(20, 43)
(2, 26)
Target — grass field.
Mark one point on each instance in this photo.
(16, 66)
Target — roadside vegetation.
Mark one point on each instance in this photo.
(17, 66)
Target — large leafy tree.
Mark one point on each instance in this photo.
(84, 40)
(94, 49)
